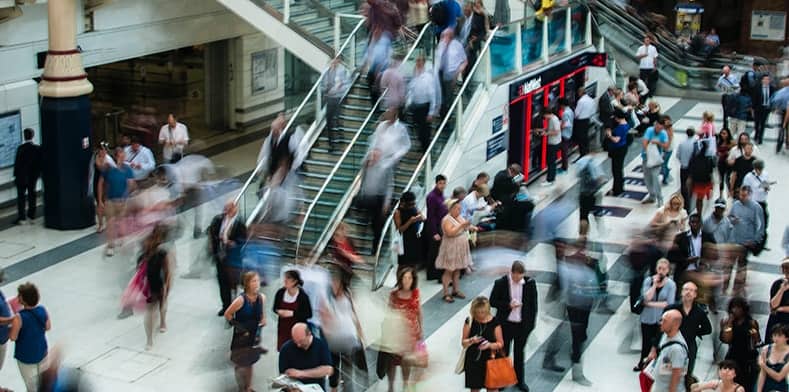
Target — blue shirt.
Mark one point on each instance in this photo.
(117, 181)
(5, 311)
(453, 12)
(651, 134)
(620, 131)
(31, 344)
(743, 104)
(292, 357)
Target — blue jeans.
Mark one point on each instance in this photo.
(664, 168)
(652, 181)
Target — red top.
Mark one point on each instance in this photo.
(346, 246)
(411, 309)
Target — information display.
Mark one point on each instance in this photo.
(10, 137)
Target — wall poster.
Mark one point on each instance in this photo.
(10, 137)
(264, 71)
(768, 25)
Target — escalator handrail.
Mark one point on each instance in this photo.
(308, 139)
(345, 153)
(439, 130)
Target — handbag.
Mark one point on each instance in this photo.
(419, 356)
(653, 156)
(461, 365)
(638, 307)
(397, 244)
(499, 372)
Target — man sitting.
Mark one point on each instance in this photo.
(305, 358)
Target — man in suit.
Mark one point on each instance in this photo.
(605, 108)
(226, 236)
(27, 169)
(687, 249)
(515, 298)
(761, 107)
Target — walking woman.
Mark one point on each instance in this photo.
(342, 331)
(408, 219)
(774, 362)
(156, 261)
(292, 305)
(246, 315)
(28, 331)
(101, 160)
(454, 254)
(481, 336)
(405, 301)
(725, 142)
(617, 149)
(658, 291)
(741, 332)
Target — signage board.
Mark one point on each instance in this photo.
(495, 146)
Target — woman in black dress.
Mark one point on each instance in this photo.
(156, 260)
(246, 315)
(779, 302)
(481, 334)
(407, 219)
(741, 332)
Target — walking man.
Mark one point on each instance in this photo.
(658, 136)
(27, 169)
(515, 298)
(226, 236)
(761, 108)
(729, 85)
(423, 97)
(334, 86)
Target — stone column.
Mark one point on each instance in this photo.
(65, 125)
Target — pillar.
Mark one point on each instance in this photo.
(65, 124)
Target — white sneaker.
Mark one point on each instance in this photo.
(547, 183)
(109, 252)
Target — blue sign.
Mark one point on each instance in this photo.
(10, 137)
(498, 124)
(495, 146)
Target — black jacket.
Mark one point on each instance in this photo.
(27, 164)
(681, 251)
(500, 299)
(758, 97)
(237, 234)
(303, 307)
(504, 189)
(694, 324)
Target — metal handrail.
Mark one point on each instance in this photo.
(347, 151)
(295, 114)
(334, 170)
(440, 129)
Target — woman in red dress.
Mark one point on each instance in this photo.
(405, 300)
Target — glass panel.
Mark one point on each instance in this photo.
(556, 26)
(579, 25)
(531, 42)
(501, 49)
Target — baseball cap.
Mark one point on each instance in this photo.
(720, 203)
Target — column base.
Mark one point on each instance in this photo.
(65, 142)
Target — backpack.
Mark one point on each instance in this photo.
(439, 13)
(701, 166)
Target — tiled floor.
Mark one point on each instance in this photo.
(82, 293)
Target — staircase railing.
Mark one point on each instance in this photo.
(424, 167)
(247, 197)
(335, 217)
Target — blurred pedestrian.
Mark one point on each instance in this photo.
(454, 254)
(417, 15)
(779, 302)
(344, 251)
(760, 184)
(482, 337)
(717, 223)
(343, 333)
(335, 85)
(28, 332)
(747, 218)
(227, 235)
(292, 306)
(553, 131)
(27, 169)
(102, 160)
(388, 144)
(116, 183)
(741, 332)
(590, 179)
(408, 221)
(667, 152)
(247, 315)
(700, 170)
(724, 143)
(567, 118)
(450, 62)
(658, 292)
(585, 108)
(377, 60)
(742, 110)
(424, 99)
(393, 82)
(685, 152)
(173, 136)
(515, 298)
(280, 155)
(405, 301)
(7, 317)
(158, 265)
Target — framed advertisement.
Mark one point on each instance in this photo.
(264, 71)
(10, 137)
(768, 25)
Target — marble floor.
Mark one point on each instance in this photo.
(81, 291)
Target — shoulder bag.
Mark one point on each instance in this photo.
(461, 364)
(653, 156)
(499, 372)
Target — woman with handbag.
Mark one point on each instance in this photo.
(741, 332)
(404, 303)
(481, 338)
(246, 315)
(407, 219)
(341, 330)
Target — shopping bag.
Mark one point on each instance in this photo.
(499, 372)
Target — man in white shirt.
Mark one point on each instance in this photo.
(173, 137)
(280, 155)
(729, 84)
(451, 61)
(423, 100)
(760, 183)
(334, 85)
(647, 55)
(475, 202)
(584, 110)
(568, 120)
(140, 159)
(554, 133)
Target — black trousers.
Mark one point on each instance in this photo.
(346, 371)
(332, 110)
(223, 278)
(516, 333)
(551, 152)
(650, 77)
(430, 261)
(693, 350)
(374, 206)
(586, 204)
(28, 188)
(617, 168)
(760, 114)
(725, 109)
(419, 113)
(579, 321)
(565, 148)
(581, 135)
(683, 187)
(649, 334)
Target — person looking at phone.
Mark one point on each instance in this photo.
(779, 301)
(760, 184)
(553, 131)
(747, 218)
(657, 292)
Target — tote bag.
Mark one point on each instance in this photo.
(654, 157)
(499, 372)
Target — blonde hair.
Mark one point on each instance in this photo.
(665, 261)
(708, 117)
(676, 195)
(478, 303)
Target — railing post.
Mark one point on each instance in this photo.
(318, 106)
(488, 68)
(613, 70)
(337, 33)
(545, 50)
(519, 47)
(353, 52)
(458, 118)
(588, 32)
(286, 16)
(568, 30)
(601, 44)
